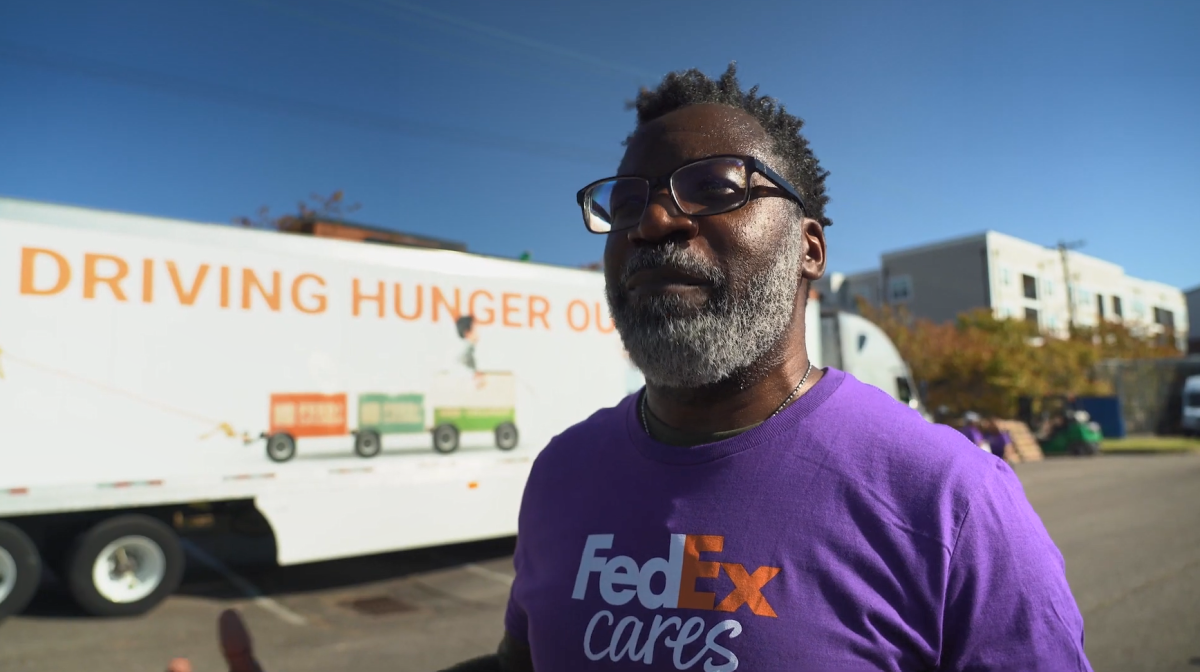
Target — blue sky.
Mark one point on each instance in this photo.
(478, 121)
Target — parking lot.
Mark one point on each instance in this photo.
(1129, 527)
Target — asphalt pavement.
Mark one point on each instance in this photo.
(1128, 526)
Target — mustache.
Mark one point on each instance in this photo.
(671, 257)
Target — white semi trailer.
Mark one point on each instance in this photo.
(159, 376)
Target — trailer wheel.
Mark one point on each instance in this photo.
(20, 570)
(281, 447)
(445, 438)
(125, 566)
(507, 436)
(367, 443)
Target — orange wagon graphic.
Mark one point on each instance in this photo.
(295, 416)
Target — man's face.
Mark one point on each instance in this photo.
(699, 299)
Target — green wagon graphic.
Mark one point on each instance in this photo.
(483, 403)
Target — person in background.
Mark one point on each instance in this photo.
(972, 430)
(466, 359)
(997, 439)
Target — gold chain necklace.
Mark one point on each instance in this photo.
(643, 410)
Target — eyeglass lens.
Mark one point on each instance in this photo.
(707, 187)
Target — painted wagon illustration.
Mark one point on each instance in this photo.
(459, 404)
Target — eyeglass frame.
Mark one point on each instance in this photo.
(753, 165)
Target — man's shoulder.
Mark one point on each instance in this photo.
(892, 449)
(583, 440)
(875, 421)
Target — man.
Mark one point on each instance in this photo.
(986, 435)
(747, 511)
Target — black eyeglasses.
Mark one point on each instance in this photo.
(710, 186)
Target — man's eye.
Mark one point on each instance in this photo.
(718, 187)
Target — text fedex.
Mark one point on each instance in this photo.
(621, 580)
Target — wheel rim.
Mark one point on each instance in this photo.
(445, 438)
(279, 447)
(370, 445)
(129, 569)
(508, 437)
(8, 574)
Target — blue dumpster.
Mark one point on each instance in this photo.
(1106, 412)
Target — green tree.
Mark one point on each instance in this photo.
(986, 364)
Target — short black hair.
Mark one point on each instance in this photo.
(692, 87)
(464, 325)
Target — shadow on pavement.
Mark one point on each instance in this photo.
(250, 558)
(271, 580)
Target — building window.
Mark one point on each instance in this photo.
(899, 289)
(1030, 283)
(1117, 307)
(1031, 315)
(1164, 318)
(1100, 307)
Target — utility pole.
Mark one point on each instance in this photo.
(1063, 247)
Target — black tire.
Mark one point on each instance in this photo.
(507, 436)
(136, 535)
(367, 443)
(445, 438)
(20, 570)
(281, 447)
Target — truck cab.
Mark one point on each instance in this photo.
(857, 346)
(1190, 416)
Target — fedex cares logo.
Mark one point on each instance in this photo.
(620, 580)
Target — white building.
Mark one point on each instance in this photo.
(1017, 279)
(842, 290)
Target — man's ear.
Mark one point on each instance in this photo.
(812, 266)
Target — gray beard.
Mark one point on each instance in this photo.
(678, 345)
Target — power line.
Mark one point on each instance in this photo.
(317, 19)
(283, 105)
(521, 40)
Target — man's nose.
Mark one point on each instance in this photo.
(662, 221)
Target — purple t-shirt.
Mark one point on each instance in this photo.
(844, 534)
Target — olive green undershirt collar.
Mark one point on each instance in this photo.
(664, 433)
